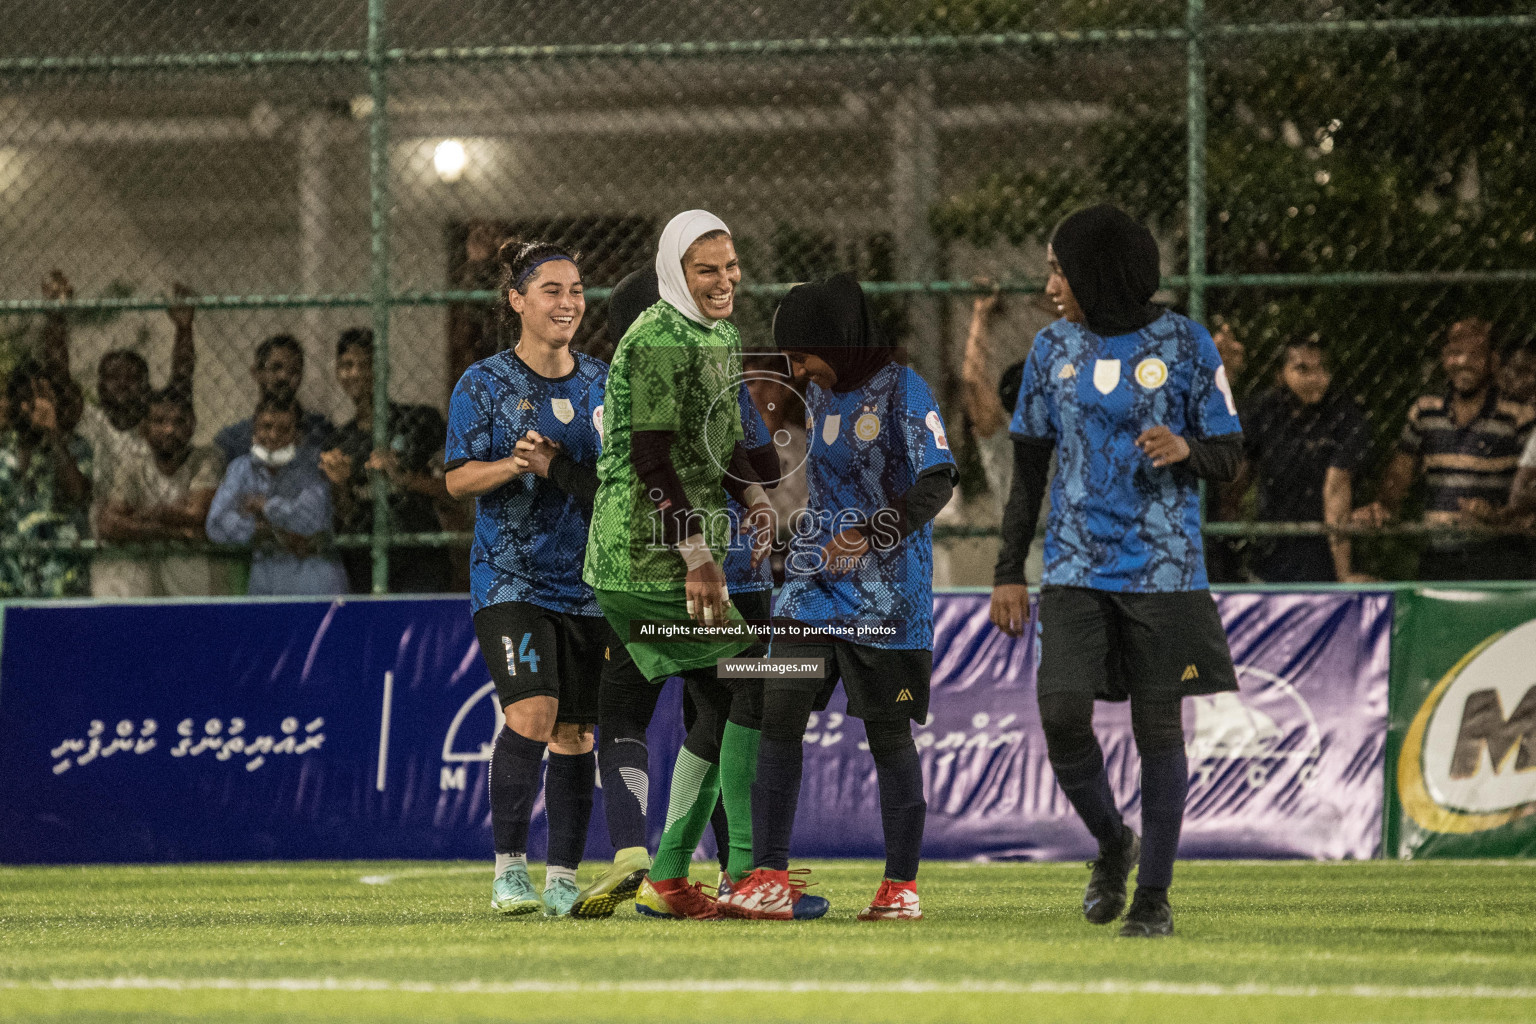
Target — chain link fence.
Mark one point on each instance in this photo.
(1355, 171)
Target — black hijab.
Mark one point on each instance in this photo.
(832, 320)
(635, 294)
(1111, 263)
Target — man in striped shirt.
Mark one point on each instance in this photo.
(1467, 442)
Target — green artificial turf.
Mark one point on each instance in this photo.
(416, 941)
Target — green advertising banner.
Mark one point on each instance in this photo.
(1461, 746)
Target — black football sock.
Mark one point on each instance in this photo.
(775, 795)
(722, 832)
(515, 763)
(1164, 785)
(902, 808)
(1086, 784)
(625, 764)
(568, 802)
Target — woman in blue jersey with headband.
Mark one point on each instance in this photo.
(524, 433)
(1134, 402)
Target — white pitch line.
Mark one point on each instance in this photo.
(496, 988)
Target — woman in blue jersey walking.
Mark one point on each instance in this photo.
(1133, 401)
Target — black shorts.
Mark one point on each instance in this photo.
(1118, 646)
(756, 606)
(536, 652)
(882, 685)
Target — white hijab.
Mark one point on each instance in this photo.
(681, 232)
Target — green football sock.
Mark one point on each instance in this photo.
(738, 768)
(695, 789)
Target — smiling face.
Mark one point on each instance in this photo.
(551, 304)
(1060, 292)
(712, 273)
(354, 372)
(807, 367)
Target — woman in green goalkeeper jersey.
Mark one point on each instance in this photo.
(671, 451)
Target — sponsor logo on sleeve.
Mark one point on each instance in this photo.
(936, 428)
(1225, 387)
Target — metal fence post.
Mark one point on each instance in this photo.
(1195, 106)
(378, 227)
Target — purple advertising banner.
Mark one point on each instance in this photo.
(1291, 766)
(361, 728)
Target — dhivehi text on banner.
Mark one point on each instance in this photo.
(1462, 766)
(1291, 766)
(363, 728)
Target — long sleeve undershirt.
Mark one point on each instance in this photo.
(574, 478)
(651, 455)
(915, 509)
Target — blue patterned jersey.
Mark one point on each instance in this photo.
(530, 536)
(1116, 523)
(739, 574)
(867, 448)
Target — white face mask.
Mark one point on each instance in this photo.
(277, 458)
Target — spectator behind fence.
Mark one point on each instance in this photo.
(112, 425)
(278, 372)
(1517, 375)
(45, 491)
(412, 462)
(989, 405)
(164, 496)
(1467, 440)
(275, 498)
(1303, 443)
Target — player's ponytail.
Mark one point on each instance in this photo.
(519, 260)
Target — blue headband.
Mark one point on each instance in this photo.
(535, 266)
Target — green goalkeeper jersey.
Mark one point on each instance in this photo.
(670, 374)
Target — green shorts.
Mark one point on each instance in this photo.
(658, 661)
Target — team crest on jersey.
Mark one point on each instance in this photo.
(936, 427)
(563, 409)
(829, 428)
(1152, 373)
(597, 421)
(1067, 372)
(1106, 375)
(867, 427)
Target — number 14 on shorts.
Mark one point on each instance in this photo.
(524, 653)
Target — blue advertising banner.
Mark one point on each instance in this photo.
(1291, 766)
(320, 729)
(362, 728)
